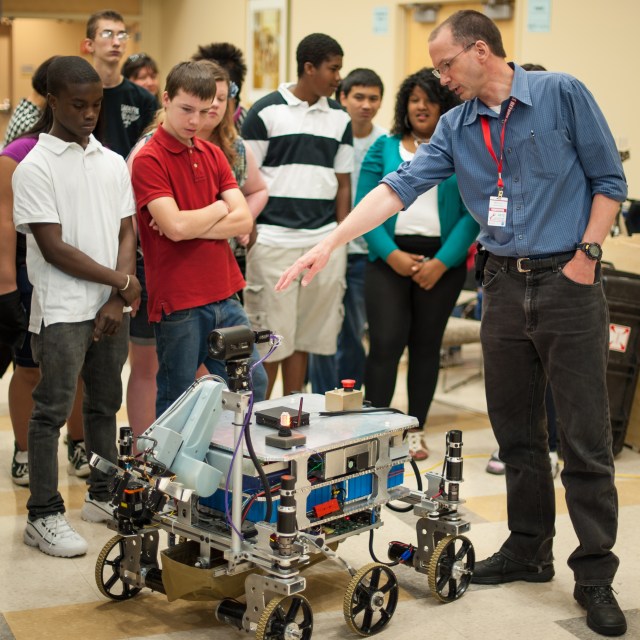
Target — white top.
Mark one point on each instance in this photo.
(86, 191)
(360, 148)
(421, 218)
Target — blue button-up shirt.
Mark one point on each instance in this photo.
(558, 154)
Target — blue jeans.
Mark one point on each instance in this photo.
(541, 326)
(182, 346)
(65, 351)
(325, 372)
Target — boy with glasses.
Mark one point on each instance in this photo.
(127, 108)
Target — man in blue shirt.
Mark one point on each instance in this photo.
(538, 169)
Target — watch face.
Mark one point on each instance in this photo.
(594, 251)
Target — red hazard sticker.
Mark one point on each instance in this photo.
(619, 337)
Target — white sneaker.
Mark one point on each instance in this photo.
(96, 511)
(54, 536)
(555, 464)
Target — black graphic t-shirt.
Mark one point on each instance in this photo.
(127, 110)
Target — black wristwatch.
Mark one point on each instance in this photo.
(592, 250)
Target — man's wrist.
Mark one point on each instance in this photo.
(583, 260)
(591, 250)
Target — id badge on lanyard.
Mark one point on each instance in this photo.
(498, 205)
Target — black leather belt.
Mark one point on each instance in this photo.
(525, 265)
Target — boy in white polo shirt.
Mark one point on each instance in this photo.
(73, 199)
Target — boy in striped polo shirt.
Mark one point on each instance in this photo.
(304, 147)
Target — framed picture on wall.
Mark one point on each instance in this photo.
(267, 46)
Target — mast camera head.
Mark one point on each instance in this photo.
(235, 343)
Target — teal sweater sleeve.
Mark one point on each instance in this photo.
(379, 161)
(457, 228)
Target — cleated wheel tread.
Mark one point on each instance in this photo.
(450, 569)
(276, 620)
(106, 585)
(364, 588)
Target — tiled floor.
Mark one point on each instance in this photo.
(56, 598)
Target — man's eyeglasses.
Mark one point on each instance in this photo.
(233, 89)
(445, 66)
(109, 34)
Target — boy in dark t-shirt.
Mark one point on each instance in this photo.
(127, 108)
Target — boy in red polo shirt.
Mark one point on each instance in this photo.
(188, 206)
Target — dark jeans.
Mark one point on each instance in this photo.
(182, 346)
(537, 326)
(400, 315)
(64, 351)
(23, 356)
(140, 329)
(351, 356)
(326, 372)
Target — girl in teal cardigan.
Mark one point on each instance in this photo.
(414, 277)
(458, 229)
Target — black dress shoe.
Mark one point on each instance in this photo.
(498, 569)
(604, 615)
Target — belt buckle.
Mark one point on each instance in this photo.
(519, 266)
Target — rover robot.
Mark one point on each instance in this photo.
(249, 496)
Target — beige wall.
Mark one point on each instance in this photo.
(185, 24)
(5, 77)
(64, 8)
(30, 42)
(35, 40)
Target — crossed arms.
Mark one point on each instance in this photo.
(219, 220)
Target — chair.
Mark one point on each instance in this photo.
(460, 331)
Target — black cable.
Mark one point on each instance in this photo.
(417, 472)
(373, 555)
(263, 476)
(399, 509)
(328, 414)
(418, 480)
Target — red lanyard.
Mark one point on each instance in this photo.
(486, 132)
